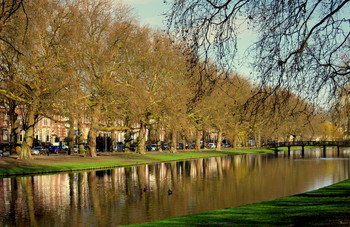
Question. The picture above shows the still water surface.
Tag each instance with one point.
(140, 194)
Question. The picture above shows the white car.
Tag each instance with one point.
(35, 150)
(211, 145)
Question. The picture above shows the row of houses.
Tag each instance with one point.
(50, 131)
(55, 132)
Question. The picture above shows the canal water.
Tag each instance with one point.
(151, 192)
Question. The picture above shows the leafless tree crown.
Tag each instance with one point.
(301, 45)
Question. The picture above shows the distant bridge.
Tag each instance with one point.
(303, 144)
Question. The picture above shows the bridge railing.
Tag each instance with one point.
(306, 143)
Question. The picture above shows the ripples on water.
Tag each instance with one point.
(140, 194)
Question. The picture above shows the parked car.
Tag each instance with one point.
(66, 147)
(151, 147)
(119, 147)
(154, 147)
(36, 150)
(226, 145)
(44, 150)
(211, 145)
(57, 150)
(192, 145)
(165, 146)
(179, 146)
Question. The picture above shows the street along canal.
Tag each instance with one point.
(152, 192)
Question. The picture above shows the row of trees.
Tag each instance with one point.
(90, 60)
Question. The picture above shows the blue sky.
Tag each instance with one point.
(149, 12)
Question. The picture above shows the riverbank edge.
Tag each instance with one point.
(328, 206)
(12, 166)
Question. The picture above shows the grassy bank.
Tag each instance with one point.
(64, 163)
(329, 206)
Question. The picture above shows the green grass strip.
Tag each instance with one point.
(329, 206)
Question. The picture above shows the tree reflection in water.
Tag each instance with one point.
(140, 194)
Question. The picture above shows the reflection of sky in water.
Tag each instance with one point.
(139, 194)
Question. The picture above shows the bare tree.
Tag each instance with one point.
(299, 43)
(8, 8)
(36, 72)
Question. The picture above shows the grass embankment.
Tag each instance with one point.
(63, 163)
(329, 206)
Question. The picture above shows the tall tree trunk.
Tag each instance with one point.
(91, 151)
(141, 149)
(205, 139)
(198, 140)
(258, 139)
(173, 141)
(127, 134)
(127, 140)
(234, 140)
(218, 143)
(184, 142)
(80, 141)
(29, 132)
(71, 137)
(158, 134)
(113, 140)
(15, 147)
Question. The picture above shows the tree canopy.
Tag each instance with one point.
(300, 45)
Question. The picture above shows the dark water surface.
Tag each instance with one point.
(140, 194)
